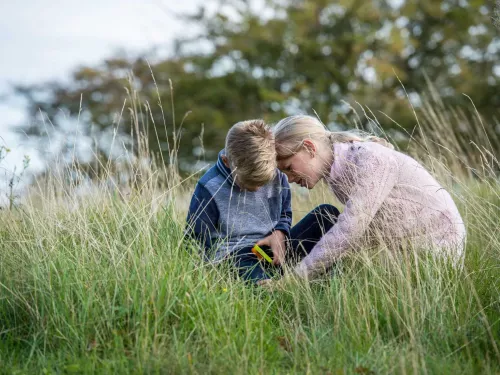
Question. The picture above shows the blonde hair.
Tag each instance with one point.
(291, 132)
(251, 152)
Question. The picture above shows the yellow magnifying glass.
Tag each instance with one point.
(261, 254)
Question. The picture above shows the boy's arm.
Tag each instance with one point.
(285, 221)
(202, 217)
(276, 240)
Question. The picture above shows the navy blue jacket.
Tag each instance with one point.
(225, 218)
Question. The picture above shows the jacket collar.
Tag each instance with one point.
(221, 167)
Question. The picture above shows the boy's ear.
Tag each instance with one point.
(310, 147)
(225, 160)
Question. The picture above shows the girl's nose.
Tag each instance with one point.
(291, 177)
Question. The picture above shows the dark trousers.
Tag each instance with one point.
(303, 236)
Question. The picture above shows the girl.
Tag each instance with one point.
(389, 197)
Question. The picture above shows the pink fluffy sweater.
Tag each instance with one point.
(389, 199)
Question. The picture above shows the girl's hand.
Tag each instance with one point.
(276, 241)
(266, 283)
(271, 285)
(276, 285)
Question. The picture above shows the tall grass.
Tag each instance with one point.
(106, 283)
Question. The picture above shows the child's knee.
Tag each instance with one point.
(327, 210)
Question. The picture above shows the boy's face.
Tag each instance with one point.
(246, 187)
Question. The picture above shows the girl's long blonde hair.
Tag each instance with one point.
(290, 133)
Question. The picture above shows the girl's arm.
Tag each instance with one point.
(375, 174)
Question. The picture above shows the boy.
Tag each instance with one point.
(243, 200)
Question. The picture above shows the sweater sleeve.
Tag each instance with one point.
(203, 216)
(375, 175)
(285, 221)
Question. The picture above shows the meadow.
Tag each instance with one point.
(105, 282)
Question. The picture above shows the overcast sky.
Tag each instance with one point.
(46, 39)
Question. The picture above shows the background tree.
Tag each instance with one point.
(296, 56)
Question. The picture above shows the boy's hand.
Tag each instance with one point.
(276, 241)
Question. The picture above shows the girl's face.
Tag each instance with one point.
(304, 168)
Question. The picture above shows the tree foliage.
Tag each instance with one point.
(293, 56)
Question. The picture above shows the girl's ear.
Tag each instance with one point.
(310, 147)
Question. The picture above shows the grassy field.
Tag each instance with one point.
(110, 286)
(106, 283)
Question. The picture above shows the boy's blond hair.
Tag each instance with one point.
(251, 153)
